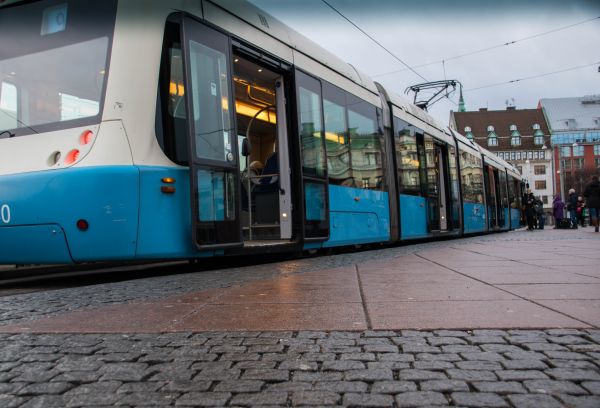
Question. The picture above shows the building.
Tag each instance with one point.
(575, 137)
(519, 136)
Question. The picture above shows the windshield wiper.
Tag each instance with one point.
(10, 134)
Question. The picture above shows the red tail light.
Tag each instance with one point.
(83, 225)
(86, 137)
(71, 157)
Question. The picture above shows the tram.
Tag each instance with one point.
(145, 129)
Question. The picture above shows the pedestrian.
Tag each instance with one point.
(539, 213)
(529, 203)
(572, 207)
(581, 211)
(558, 210)
(592, 200)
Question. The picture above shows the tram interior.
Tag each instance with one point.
(256, 115)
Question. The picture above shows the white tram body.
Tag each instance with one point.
(289, 148)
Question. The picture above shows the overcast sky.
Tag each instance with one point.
(420, 32)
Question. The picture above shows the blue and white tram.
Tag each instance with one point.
(195, 129)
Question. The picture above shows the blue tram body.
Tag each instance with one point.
(221, 136)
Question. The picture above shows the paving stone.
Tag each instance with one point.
(339, 365)
(258, 365)
(78, 377)
(367, 400)
(414, 348)
(266, 375)
(459, 348)
(432, 365)
(572, 374)
(137, 387)
(520, 375)
(358, 356)
(148, 399)
(553, 387)
(368, 375)
(525, 355)
(482, 340)
(186, 386)
(545, 347)
(566, 355)
(10, 401)
(592, 386)
(580, 402)
(451, 333)
(439, 357)
(534, 401)
(471, 375)
(318, 398)
(203, 399)
(380, 348)
(238, 386)
(501, 348)
(392, 387)
(400, 357)
(444, 341)
(300, 365)
(307, 376)
(479, 365)
(444, 385)
(220, 374)
(499, 387)
(45, 388)
(481, 399)
(483, 356)
(262, 398)
(524, 364)
(45, 401)
(420, 399)
(567, 340)
(342, 386)
(387, 365)
(577, 364)
(421, 375)
(124, 372)
(292, 386)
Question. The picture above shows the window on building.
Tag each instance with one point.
(539, 169)
(515, 136)
(492, 140)
(545, 199)
(592, 136)
(597, 150)
(530, 155)
(515, 156)
(566, 164)
(578, 163)
(540, 184)
(578, 150)
(565, 151)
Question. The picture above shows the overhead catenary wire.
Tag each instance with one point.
(532, 77)
(493, 47)
(375, 41)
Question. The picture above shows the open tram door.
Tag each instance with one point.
(437, 185)
(213, 158)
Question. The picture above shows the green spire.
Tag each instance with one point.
(461, 102)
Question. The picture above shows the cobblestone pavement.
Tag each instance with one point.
(388, 368)
(479, 368)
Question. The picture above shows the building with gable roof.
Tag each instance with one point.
(519, 136)
(575, 137)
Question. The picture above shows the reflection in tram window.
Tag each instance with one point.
(407, 158)
(471, 173)
(336, 136)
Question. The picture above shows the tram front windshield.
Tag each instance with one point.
(53, 64)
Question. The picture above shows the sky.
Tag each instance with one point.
(425, 31)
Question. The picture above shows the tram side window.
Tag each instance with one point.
(171, 130)
(512, 192)
(503, 190)
(407, 158)
(365, 144)
(336, 136)
(471, 172)
(432, 166)
(454, 188)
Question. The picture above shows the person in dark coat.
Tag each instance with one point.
(529, 204)
(558, 210)
(592, 200)
(572, 207)
(539, 213)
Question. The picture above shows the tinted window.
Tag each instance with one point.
(407, 158)
(471, 174)
(336, 136)
(310, 125)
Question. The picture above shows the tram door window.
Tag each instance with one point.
(454, 211)
(314, 165)
(407, 158)
(503, 197)
(339, 166)
(491, 187)
(260, 116)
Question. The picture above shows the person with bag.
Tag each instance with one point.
(572, 207)
(558, 210)
(592, 200)
(538, 205)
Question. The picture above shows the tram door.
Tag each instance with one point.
(213, 158)
(492, 196)
(263, 145)
(436, 185)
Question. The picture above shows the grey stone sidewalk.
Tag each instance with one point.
(480, 368)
